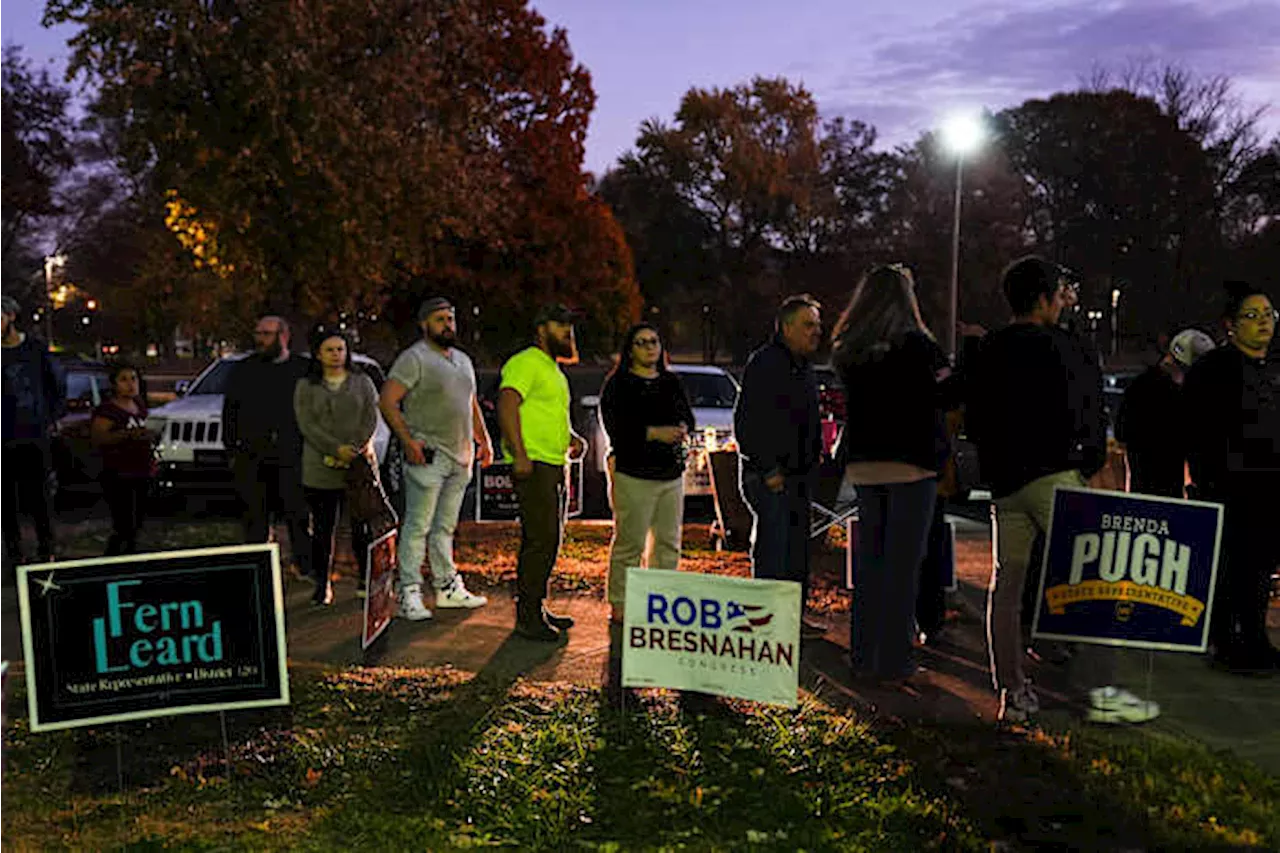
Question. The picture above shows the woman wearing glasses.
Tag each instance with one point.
(647, 416)
(1232, 396)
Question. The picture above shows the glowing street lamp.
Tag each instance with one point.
(1115, 322)
(962, 134)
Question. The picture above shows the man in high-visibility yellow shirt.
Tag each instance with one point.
(533, 412)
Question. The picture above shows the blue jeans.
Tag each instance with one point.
(893, 533)
(432, 500)
(780, 532)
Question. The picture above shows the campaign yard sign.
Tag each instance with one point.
(496, 492)
(1128, 570)
(722, 635)
(152, 635)
(379, 588)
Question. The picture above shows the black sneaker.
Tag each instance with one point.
(538, 630)
(560, 623)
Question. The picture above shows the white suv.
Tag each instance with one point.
(712, 394)
(192, 456)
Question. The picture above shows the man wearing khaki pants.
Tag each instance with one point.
(1035, 411)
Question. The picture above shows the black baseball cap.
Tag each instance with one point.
(555, 313)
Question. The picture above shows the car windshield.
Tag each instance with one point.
(86, 385)
(215, 381)
(709, 390)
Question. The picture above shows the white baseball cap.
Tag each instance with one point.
(1189, 345)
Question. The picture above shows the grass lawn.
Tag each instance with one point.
(412, 759)
(398, 759)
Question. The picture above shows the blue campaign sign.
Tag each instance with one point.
(1128, 570)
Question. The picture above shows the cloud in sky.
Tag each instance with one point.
(999, 55)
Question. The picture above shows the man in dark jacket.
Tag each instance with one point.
(261, 432)
(34, 394)
(778, 430)
(1151, 421)
(1036, 415)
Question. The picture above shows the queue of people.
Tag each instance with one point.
(1204, 422)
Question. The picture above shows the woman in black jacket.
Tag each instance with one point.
(647, 416)
(1232, 400)
(891, 367)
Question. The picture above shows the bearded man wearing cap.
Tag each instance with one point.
(429, 401)
(1150, 423)
(533, 410)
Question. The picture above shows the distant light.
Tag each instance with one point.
(153, 351)
(475, 310)
(84, 320)
(1115, 297)
(963, 133)
(92, 305)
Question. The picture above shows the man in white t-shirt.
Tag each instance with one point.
(429, 401)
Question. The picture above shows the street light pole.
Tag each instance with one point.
(953, 318)
(1115, 323)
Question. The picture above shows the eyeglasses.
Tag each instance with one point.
(1253, 315)
(646, 342)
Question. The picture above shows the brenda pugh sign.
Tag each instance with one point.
(727, 636)
(151, 635)
(1128, 570)
(380, 589)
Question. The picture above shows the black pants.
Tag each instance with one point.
(326, 508)
(26, 467)
(267, 485)
(893, 532)
(1156, 475)
(543, 501)
(127, 500)
(935, 574)
(1249, 555)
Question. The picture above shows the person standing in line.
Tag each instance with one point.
(1151, 419)
(34, 394)
(118, 430)
(1036, 415)
(533, 411)
(260, 431)
(647, 416)
(429, 401)
(885, 353)
(779, 432)
(336, 407)
(1232, 400)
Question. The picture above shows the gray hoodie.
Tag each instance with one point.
(329, 418)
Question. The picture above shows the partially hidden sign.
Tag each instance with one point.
(152, 635)
(496, 492)
(1128, 570)
(379, 588)
(722, 635)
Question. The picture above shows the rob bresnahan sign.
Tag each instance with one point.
(1128, 570)
(727, 636)
(151, 635)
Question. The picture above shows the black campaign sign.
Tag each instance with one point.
(178, 632)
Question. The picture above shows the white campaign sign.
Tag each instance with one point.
(722, 635)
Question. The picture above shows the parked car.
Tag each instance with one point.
(193, 459)
(75, 464)
(712, 395)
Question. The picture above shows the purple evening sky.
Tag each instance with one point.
(898, 64)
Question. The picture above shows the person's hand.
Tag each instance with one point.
(415, 451)
(577, 447)
(668, 434)
(776, 482)
(972, 330)
(523, 466)
(484, 454)
(346, 452)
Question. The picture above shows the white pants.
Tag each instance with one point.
(647, 515)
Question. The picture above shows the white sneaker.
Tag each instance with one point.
(411, 606)
(1113, 705)
(456, 595)
(1019, 704)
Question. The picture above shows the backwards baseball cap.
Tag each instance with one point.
(432, 305)
(9, 305)
(556, 313)
(1188, 345)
